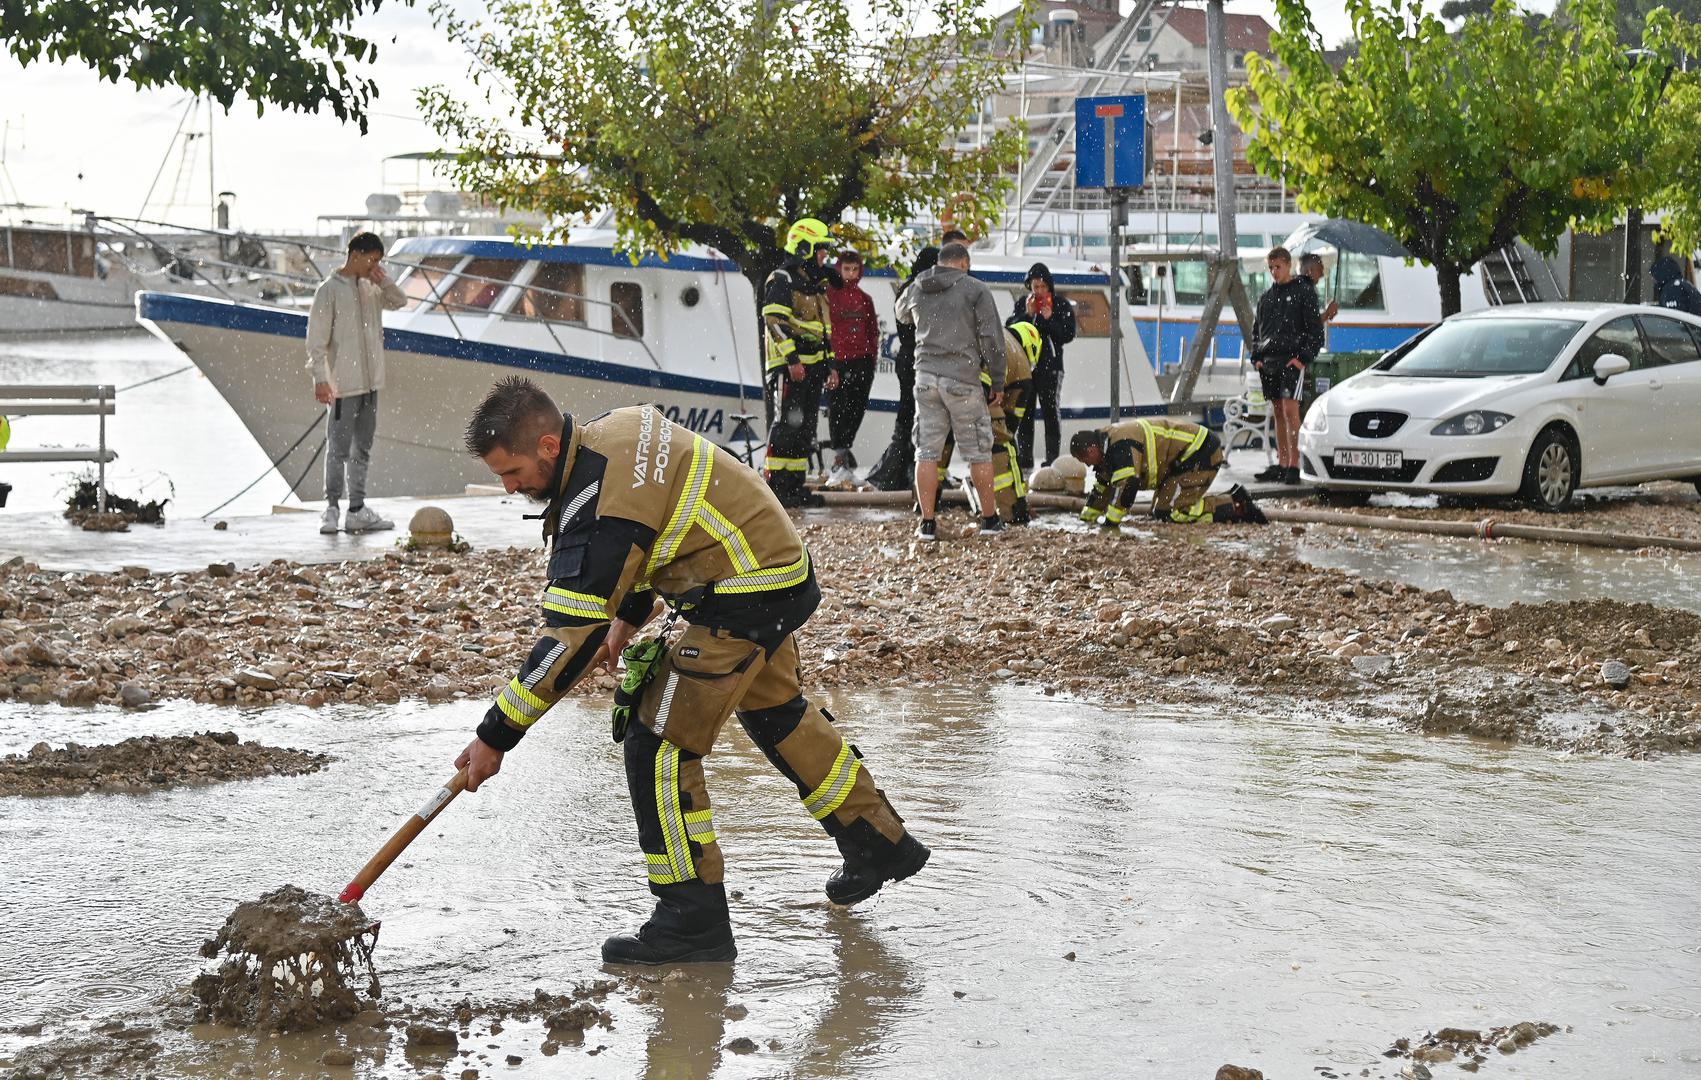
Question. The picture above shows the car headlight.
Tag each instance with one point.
(1317, 420)
(1475, 422)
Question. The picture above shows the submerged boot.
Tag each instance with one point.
(689, 926)
(870, 861)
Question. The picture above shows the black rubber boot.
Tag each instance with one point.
(1273, 473)
(871, 861)
(1245, 509)
(689, 926)
(1020, 514)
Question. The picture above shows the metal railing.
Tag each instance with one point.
(64, 401)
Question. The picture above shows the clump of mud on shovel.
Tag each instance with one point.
(292, 960)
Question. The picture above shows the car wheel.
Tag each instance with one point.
(1550, 473)
(1345, 499)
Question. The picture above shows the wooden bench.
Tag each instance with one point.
(63, 401)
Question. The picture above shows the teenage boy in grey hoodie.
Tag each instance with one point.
(957, 334)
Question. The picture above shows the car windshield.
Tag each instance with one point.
(1474, 348)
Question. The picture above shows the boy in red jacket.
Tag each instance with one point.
(856, 341)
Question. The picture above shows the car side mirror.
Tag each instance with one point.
(1608, 365)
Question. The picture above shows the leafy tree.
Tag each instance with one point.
(719, 123)
(1632, 15)
(252, 47)
(1456, 144)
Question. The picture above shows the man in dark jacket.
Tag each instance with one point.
(1286, 336)
(895, 470)
(1670, 288)
(1055, 317)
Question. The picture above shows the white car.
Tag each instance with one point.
(1532, 399)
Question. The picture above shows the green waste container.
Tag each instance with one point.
(1331, 368)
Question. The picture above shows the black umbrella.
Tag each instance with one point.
(1343, 235)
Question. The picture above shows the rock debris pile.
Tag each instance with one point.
(149, 763)
(1166, 614)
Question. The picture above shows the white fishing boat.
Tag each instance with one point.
(597, 331)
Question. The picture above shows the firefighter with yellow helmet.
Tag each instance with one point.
(638, 509)
(1176, 460)
(797, 339)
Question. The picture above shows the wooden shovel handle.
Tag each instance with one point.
(398, 843)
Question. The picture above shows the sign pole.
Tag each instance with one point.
(1118, 218)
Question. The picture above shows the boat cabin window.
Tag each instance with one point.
(1357, 282)
(1092, 312)
(45, 251)
(480, 283)
(424, 283)
(628, 298)
(543, 299)
(1190, 281)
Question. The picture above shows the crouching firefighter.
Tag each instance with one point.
(797, 338)
(1173, 458)
(1009, 487)
(639, 508)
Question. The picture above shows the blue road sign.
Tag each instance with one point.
(1110, 141)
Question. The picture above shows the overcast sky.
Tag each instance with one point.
(71, 140)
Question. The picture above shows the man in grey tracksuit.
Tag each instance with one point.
(345, 356)
(957, 336)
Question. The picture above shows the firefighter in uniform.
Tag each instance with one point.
(1022, 344)
(1173, 458)
(639, 508)
(797, 337)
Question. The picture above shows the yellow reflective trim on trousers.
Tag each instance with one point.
(664, 875)
(1019, 482)
(770, 580)
(730, 536)
(836, 788)
(684, 512)
(672, 820)
(568, 602)
(797, 464)
(700, 826)
(1115, 513)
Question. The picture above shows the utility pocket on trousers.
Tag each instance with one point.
(701, 681)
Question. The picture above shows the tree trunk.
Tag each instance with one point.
(1447, 276)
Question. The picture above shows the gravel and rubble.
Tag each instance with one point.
(1160, 614)
(149, 763)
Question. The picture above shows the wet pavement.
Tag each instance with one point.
(1113, 891)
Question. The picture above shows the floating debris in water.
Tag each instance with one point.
(293, 959)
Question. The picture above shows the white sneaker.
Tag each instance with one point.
(366, 519)
(328, 520)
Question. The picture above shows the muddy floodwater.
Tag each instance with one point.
(1498, 573)
(1113, 891)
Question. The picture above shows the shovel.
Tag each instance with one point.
(404, 836)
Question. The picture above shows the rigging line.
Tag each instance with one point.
(309, 466)
(166, 157)
(156, 378)
(275, 463)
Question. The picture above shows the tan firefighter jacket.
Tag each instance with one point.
(1139, 453)
(644, 508)
(798, 328)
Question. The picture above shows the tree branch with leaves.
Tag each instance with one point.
(295, 54)
(720, 123)
(1457, 144)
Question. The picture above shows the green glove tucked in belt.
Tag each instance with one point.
(643, 658)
